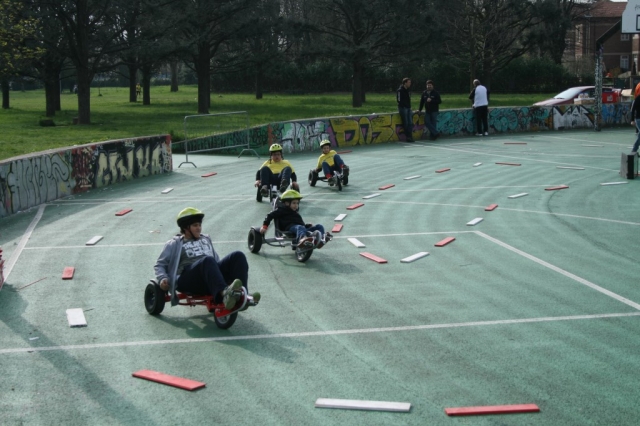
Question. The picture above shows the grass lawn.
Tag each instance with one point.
(113, 117)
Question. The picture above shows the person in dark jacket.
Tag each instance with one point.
(289, 220)
(635, 120)
(404, 108)
(430, 100)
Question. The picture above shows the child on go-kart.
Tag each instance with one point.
(289, 220)
(189, 264)
(330, 162)
(276, 171)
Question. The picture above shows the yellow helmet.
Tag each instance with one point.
(291, 194)
(188, 217)
(324, 142)
(275, 147)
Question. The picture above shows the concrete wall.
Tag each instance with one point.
(343, 132)
(30, 180)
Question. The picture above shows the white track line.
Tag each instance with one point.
(561, 271)
(316, 333)
(23, 242)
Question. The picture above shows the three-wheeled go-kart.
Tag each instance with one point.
(341, 178)
(155, 299)
(284, 239)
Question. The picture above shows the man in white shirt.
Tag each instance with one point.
(480, 98)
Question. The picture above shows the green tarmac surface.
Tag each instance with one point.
(537, 304)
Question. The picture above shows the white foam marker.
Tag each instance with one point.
(518, 195)
(76, 318)
(613, 183)
(475, 221)
(340, 217)
(166, 191)
(477, 164)
(572, 168)
(412, 177)
(94, 240)
(354, 404)
(356, 242)
(370, 196)
(415, 257)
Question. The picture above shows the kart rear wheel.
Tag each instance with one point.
(345, 180)
(313, 177)
(153, 299)
(259, 195)
(254, 240)
(339, 183)
(225, 322)
(303, 255)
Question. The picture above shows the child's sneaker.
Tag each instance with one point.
(306, 242)
(327, 237)
(331, 180)
(317, 238)
(284, 185)
(264, 191)
(228, 297)
(254, 302)
(345, 170)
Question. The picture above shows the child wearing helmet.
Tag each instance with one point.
(330, 162)
(289, 220)
(276, 171)
(189, 264)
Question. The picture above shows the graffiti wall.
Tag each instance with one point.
(31, 180)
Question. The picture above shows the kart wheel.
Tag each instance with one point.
(225, 322)
(339, 183)
(254, 240)
(303, 255)
(153, 299)
(345, 180)
(313, 177)
(259, 195)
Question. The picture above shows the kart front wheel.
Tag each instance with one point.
(303, 255)
(254, 240)
(153, 298)
(313, 177)
(225, 322)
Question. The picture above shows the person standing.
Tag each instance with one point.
(635, 120)
(430, 99)
(480, 98)
(404, 108)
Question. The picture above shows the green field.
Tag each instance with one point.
(114, 117)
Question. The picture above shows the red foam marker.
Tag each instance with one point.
(123, 212)
(493, 409)
(373, 257)
(382, 188)
(210, 174)
(166, 379)
(515, 143)
(67, 274)
(445, 241)
(343, 152)
(355, 206)
(555, 188)
(490, 207)
(442, 170)
(337, 227)
(509, 164)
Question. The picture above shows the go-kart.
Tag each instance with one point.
(284, 239)
(340, 178)
(273, 194)
(155, 298)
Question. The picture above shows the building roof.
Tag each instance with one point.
(607, 9)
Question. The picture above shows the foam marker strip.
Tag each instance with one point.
(477, 164)
(370, 196)
(490, 207)
(572, 168)
(166, 379)
(445, 242)
(492, 409)
(76, 318)
(123, 212)
(209, 174)
(94, 240)
(382, 188)
(518, 195)
(613, 183)
(343, 152)
(412, 177)
(340, 217)
(515, 143)
(351, 404)
(442, 170)
(509, 164)
(598, 146)
(475, 221)
(415, 257)
(337, 228)
(356, 242)
(373, 257)
(67, 274)
(355, 206)
(555, 188)
(166, 191)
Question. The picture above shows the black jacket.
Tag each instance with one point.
(285, 216)
(435, 101)
(403, 97)
(635, 108)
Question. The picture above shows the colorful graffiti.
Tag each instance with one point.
(40, 178)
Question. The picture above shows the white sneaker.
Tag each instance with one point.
(486, 133)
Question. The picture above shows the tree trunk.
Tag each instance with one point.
(258, 81)
(146, 85)
(51, 88)
(5, 93)
(133, 79)
(174, 76)
(203, 72)
(356, 94)
(56, 97)
(84, 95)
(81, 60)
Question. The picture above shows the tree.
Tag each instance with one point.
(554, 17)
